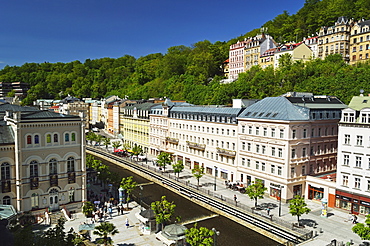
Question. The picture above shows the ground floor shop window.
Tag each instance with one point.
(274, 192)
(343, 204)
(364, 210)
(223, 175)
(209, 170)
(315, 193)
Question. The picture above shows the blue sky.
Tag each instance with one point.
(69, 30)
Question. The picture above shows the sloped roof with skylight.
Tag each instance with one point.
(276, 108)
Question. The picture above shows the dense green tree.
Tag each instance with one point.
(198, 173)
(164, 159)
(363, 229)
(128, 184)
(178, 167)
(201, 236)
(298, 207)
(163, 210)
(256, 191)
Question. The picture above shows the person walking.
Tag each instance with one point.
(236, 200)
(119, 209)
(127, 223)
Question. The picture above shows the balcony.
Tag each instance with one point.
(53, 180)
(5, 186)
(196, 146)
(225, 152)
(71, 178)
(172, 140)
(34, 183)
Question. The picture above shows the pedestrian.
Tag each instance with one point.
(127, 224)
(235, 198)
(268, 211)
(354, 219)
(119, 209)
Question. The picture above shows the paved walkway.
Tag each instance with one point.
(130, 236)
(335, 226)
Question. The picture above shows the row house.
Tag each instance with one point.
(236, 59)
(135, 124)
(335, 39)
(297, 51)
(281, 140)
(255, 47)
(360, 42)
(312, 42)
(203, 136)
(42, 159)
(353, 176)
(267, 58)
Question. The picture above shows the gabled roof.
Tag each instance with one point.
(359, 102)
(276, 108)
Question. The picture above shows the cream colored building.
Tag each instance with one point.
(298, 52)
(360, 42)
(42, 160)
(335, 39)
(135, 124)
(283, 139)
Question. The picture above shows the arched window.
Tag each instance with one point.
(70, 164)
(66, 137)
(7, 200)
(37, 139)
(34, 169)
(53, 166)
(5, 171)
(71, 194)
(29, 139)
(55, 138)
(35, 200)
(73, 136)
(48, 138)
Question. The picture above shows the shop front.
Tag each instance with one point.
(354, 203)
(275, 190)
(187, 162)
(315, 193)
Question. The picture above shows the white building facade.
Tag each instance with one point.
(353, 177)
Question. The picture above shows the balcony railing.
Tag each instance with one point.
(34, 183)
(53, 180)
(5, 186)
(196, 145)
(71, 177)
(172, 140)
(225, 152)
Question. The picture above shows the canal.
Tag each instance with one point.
(231, 233)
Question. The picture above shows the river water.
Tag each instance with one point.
(231, 233)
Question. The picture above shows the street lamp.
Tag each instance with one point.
(281, 187)
(215, 176)
(215, 235)
(141, 189)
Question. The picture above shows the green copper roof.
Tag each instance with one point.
(359, 102)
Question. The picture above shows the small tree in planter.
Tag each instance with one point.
(88, 208)
(128, 184)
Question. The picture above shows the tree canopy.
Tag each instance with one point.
(193, 73)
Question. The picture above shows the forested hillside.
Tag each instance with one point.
(193, 73)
